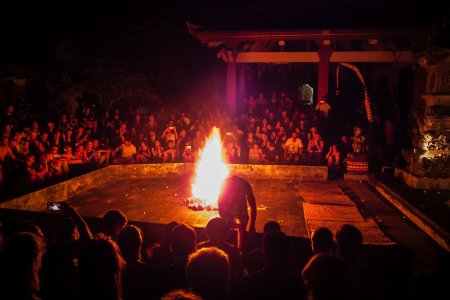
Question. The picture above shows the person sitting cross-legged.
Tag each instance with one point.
(127, 153)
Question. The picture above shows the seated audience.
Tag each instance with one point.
(183, 242)
(217, 230)
(278, 279)
(208, 273)
(181, 295)
(127, 153)
(113, 222)
(161, 254)
(139, 280)
(349, 246)
(99, 270)
(59, 268)
(20, 263)
(328, 277)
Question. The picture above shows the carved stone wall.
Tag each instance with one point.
(430, 122)
(438, 79)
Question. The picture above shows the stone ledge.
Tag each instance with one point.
(420, 182)
(436, 232)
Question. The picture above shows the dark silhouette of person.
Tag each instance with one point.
(139, 280)
(59, 270)
(113, 222)
(271, 226)
(217, 231)
(11, 227)
(183, 243)
(349, 246)
(329, 277)
(322, 241)
(20, 262)
(208, 273)
(99, 270)
(235, 195)
(254, 260)
(161, 255)
(435, 284)
(181, 295)
(278, 279)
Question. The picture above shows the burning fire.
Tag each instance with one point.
(211, 171)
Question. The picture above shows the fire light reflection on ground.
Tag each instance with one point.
(161, 200)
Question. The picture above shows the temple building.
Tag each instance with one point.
(286, 44)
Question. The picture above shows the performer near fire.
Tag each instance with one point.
(235, 195)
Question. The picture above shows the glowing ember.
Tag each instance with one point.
(211, 171)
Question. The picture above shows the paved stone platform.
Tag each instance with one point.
(160, 200)
(326, 205)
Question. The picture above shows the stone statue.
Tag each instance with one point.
(356, 161)
(358, 141)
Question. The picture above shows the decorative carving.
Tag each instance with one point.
(438, 79)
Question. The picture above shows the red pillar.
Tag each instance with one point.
(231, 80)
(324, 60)
(240, 83)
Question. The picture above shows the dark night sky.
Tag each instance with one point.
(29, 29)
(72, 34)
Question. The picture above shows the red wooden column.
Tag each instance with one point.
(231, 80)
(240, 83)
(324, 61)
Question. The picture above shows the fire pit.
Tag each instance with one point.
(210, 172)
(197, 204)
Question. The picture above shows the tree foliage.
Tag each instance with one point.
(112, 85)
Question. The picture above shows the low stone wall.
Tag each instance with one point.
(420, 182)
(304, 173)
(37, 201)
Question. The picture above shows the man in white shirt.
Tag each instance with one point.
(293, 149)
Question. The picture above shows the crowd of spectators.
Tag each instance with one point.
(72, 263)
(262, 130)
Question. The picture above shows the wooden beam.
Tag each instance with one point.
(371, 56)
(288, 35)
(277, 57)
(313, 57)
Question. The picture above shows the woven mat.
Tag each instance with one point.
(369, 229)
(328, 199)
(331, 212)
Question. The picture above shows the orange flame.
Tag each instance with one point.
(211, 171)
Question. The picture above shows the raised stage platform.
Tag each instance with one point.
(299, 198)
(155, 193)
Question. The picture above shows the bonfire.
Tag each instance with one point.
(210, 172)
